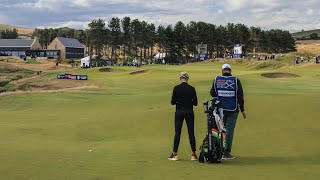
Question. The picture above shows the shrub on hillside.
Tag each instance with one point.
(3, 83)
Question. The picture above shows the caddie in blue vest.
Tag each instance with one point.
(228, 90)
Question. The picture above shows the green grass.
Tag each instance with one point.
(32, 61)
(128, 123)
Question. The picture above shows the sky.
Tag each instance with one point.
(292, 15)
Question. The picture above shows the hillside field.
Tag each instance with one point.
(24, 33)
(305, 34)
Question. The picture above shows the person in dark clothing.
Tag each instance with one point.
(184, 97)
(228, 90)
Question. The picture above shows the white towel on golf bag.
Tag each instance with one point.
(219, 120)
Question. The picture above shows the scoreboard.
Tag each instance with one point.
(239, 51)
(202, 52)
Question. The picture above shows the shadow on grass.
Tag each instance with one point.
(256, 161)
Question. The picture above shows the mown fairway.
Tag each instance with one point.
(128, 125)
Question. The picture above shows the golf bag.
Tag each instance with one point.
(214, 143)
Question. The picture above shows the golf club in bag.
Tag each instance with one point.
(214, 143)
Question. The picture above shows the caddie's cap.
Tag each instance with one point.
(226, 66)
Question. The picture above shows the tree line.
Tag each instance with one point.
(127, 39)
(9, 34)
(314, 36)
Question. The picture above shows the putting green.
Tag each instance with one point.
(128, 126)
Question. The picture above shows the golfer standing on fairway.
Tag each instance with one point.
(228, 90)
(184, 97)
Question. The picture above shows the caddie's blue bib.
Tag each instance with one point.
(226, 88)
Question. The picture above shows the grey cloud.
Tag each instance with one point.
(283, 14)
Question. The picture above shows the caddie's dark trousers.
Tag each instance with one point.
(229, 120)
(180, 115)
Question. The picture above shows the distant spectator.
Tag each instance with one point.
(302, 59)
(297, 60)
(317, 59)
(308, 58)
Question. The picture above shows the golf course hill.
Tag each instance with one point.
(306, 34)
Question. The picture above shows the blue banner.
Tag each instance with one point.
(72, 77)
(202, 56)
(237, 56)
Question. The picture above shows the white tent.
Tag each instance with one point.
(160, 56)
(85, 62)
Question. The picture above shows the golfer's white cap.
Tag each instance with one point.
(226, 66)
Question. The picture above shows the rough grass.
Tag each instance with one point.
(8, 68)
(311, 50)
(16, 74)
(27, 86)
(10, 73)
(260, 65)
(11, 59)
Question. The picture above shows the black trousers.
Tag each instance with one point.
(180, 116)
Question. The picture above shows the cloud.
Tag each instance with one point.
(3, 19)
(310, 11)
(285, 14)
(236, 5)
(72, 24)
